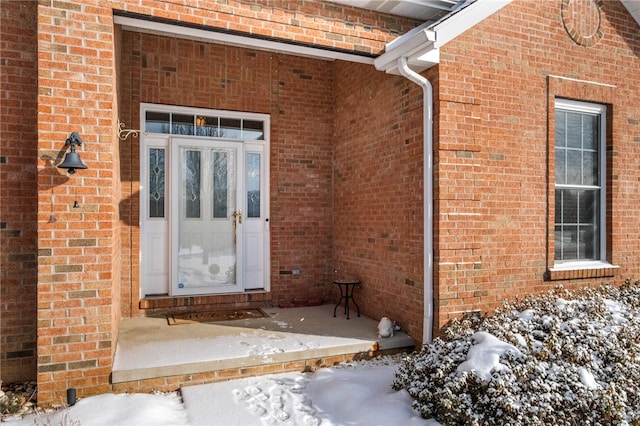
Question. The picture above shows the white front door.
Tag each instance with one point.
(208, 180)
(204, 225)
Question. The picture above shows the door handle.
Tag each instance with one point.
(237, 218)
(238, 215)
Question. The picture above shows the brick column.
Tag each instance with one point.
(78, 309)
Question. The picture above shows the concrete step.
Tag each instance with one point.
(154, 356)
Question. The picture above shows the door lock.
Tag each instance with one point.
(238, 215)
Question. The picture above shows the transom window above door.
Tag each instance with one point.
(203, 125)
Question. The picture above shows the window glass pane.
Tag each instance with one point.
(574, 130)
(558, 219)
(157, 122)
(220, 185)
(590, 168)
(557, 238)
(182, 124)
(207, 126)
(192, 184)
(561, 124)
(252, 130)
(561, 166)
(587, 247)
(590, 132)
(588, 206)
(253, 185)
(569, 241)
(569, 206)
(574, 167)
(230, 128)
(156, 182)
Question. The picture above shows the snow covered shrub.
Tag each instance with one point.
(558, 359)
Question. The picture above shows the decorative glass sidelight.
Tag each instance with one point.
(156, 182)
(253, 184)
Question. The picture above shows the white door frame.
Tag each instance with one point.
(156, 268)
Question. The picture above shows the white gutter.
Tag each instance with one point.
(427, 159)
(409, 55)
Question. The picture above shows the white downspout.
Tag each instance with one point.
(427, 157)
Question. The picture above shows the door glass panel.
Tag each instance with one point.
(220, 184)
(192, 184)
(253, 185)
(156, 182)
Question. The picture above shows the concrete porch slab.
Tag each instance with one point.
(149, 348)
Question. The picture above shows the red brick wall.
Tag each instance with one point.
(18, 205)
(494, 205)
(378, 187)
(85, 255)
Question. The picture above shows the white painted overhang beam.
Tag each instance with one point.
(212, 35)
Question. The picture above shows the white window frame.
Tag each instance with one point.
(601, 111)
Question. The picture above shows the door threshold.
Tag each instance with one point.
(161, 304)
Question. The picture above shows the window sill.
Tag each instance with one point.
(580, 270)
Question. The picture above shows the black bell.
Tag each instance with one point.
(72, 160)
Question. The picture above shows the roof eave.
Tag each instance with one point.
(421, 47)
(417, 47)
(633, 7)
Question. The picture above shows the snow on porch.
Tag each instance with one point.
(153, 355)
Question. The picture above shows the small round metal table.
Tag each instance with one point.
(346, 293)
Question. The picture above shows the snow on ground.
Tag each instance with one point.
(354, 394)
